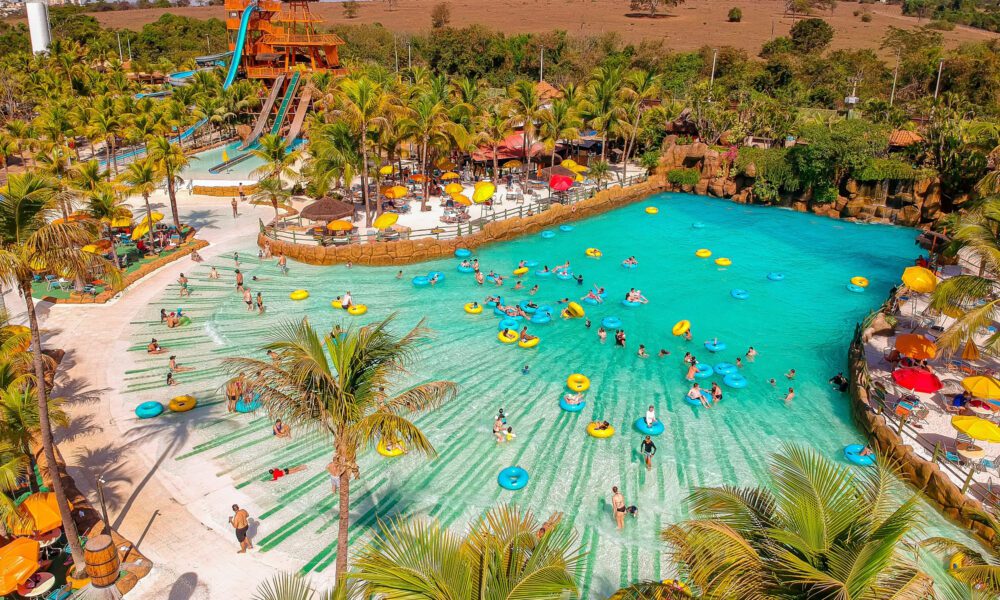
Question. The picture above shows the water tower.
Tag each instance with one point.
(38, 25)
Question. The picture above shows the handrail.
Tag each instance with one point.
(447, 231)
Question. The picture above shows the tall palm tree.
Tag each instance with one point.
(8, 148)
(289, 586)
(978, 568)
(600, 171)
(363, 104)
(278, 157)
(104, 126)
(493, 127)
(29, 237)
(427, 124)
(820, 530)
(602, 106)
(19, 419)
(271, 191)
(140, 177)
(107, 207)
(55, 163)
(339, 385)
(526, 105)
(334, 157)
(170, 161)
(23, 134)
(640, 87)
(501, 556)
(85, 177)
(560, 122)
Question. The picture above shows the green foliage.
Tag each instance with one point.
(350, 9)
(649, 160)
(831, 152)
(735, 14)
(684, 176)
(440, 15)
(769, 164)
(180, 38)
(776, 46)
(880, 169)
(13, 38)
(811, 35)
(983, 14)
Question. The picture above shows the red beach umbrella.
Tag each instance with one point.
(560, 183)
(918, 380)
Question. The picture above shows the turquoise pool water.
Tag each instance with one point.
(203, 161)
(803, 322)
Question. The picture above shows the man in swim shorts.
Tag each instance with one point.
(277, 474)
(241, 522)
(789, 396)
(648, 449)
(248, 298)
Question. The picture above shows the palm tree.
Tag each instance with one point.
(501, 556)
(8, 148)
(600, 171)
(22, 133)
(978, 568)
(104, 125)
(493, 127)
(820, 530)
(334, 157)
(56, 165)
(277, 155)
(339, 386)
(288, 586)
(650, 590)
(602, 107)
(170, 161)
(19, 419)
(640, 87)
(560, 122)
(427, 123)
(363, 104)
(85, 177)
(526, 106)
(271, 191)
(140, 177)
(28, 237)
(107, 207)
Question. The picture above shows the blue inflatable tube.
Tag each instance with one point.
(566, 228)
(464, 268)
(631, 304)
(735, 380)
(547, 234)
(703, 371)
(695, 402)
(656, 429)
(629, 265)
(463, 252)
(242, 406)
(724, 368)
(566, 406)
(715, 346)
(698, 225)
(523, 305)
(857, 289)
(611, 322)
(531, 264)
(539, 273)
(853, 455)
(774, 276)
(512, 478)
(545, 308)
(541, 318)
(564, 275)
(589, 301)
(507, 323)
(739, 294)
(439, 274)
(421, 281)
(148, 410)
(494, 304)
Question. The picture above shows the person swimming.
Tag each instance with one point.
(602, 334)
(519, 285)
(533, 290)
(574, 399)
(642, 352)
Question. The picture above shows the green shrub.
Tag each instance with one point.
(941, 25)
(866, 17)
(735, 15)
(684, 176)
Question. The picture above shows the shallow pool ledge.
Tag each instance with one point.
(411, 251)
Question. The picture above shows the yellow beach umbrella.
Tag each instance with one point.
(140, 230)
(461, 199)
(976, 428)
(919, 279)
(120, 221)
(453, 188)
(483, 192)
(579, 169)
(449, 175)
(225, 156)
(569, 163)
(387, 170)
(395, 192)
(385, 220)
(73, 218)
(579, 178)
(340, 225)
(970, 352)
(982, 386)
(512, 164)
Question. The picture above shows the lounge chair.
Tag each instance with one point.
(62, 593)
(51, 281)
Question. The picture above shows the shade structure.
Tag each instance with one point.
(976, 428)
(340, 225)
(569, 163)
(916, 346)
(122, 221)
(42, 511)
(461, 199)
(385, 220)
(444, 163)
(917, 380)
(512, 164)
(560, 183)
(453, 188)
(18, 562)
(449, 175)
(145, 224)
(395, 192)
(483, 192)
(919, 279)
(982, 386)
(387, 170)
(98, 247)
(970, 352)
(418, 178)
(327, 209)
(73, 218)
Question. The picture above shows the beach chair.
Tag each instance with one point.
(90, 289)
(963, 438)
(51, 281)
(66, 591)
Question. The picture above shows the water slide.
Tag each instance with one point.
(300, 116)
(293, 86)
(265, 113)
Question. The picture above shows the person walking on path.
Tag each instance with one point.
(241, 522)
(618, 505)
(239, 281)
(235, 206)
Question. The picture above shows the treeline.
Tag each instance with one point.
(983, 14)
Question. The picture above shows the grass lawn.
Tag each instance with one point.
(40, 289)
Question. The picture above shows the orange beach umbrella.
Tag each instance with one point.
(395, 192)
(340, 225)
(41, 511)
(449, 175)
(18, 562)
(916, 346)
(461, 199)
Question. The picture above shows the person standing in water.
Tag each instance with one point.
(618, 506)
(648, 450)
(241, 523)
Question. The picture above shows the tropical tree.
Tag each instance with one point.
(334, 157)
(29, 236)
(8, 148)
(19, 417)
(170, 162)
(426, 123)
(503, 555)
(278, 157)
(560, 122)
(493, 127)
(600, 171)
(526, 107)
(289, 586)
(980, 570)
(109, 209)
(140, 177)
(641, 86)
(820, 530)
(602, 106)
(271, 191)
(363, 104)
(340, 386)
(104, 126)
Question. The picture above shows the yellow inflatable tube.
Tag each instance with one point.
(182, 403)
(336, 304)
(723, 262)
(859, 281)
(520, 271)
(473, 309)
(573, 311)
(593, 253)
(603, 433)
(299, 295)
(529, 344)
(510, 338)
(681, 327)
(578, 382)
(357, 309)
(652, 210)
(703, 253)
(383, 449)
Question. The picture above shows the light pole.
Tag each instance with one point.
(895, 76)
(711, 81)
(104, 507)
(937, 84)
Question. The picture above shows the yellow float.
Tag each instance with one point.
(336, 304)
(603, 433)
(859, 281)
(652, 210)
(357, 309)
(681, 327)
(182, 403)
(510, 338)
(520, 271)
(593, 253)
(572, 311)
(578, 382)
(473, 309)
(956, 562)
(723, 262)
(383, 449)
(299, 295)
(529, 343)
(703, 253)
(678, 585)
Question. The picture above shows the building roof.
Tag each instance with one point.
(546, 91)
(902, 137)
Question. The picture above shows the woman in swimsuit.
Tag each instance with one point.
(602, 334)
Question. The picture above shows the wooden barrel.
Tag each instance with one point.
(101, 557)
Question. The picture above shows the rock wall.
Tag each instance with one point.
(411, 251)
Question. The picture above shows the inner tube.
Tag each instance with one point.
(299, 295)
(578, 382)
(421, 281)
(494, 304)
(629, 265)
(611, 322)
(564, 275)
(703, 371)
(336, 304)
(715, 346)
(242, 406)
(656, 429)
(574, 310)
(383, 449)
(859, 281)
(473, 309)
(528, 344)
(512, 478)
(695, 401)
(507, 323)
(510, 338)
(523, 305)
(540, 318)
(573, 408)
(724, 368)
(681, 327)
(531, 264)
(652, 210)
(463, 252)
(723, 262)
(735, 380)
(465, 268)
(593, 253)
(852, 453)
(603, 433)
(703, 253)
(357, 309)
(566, 228)
(548, 234)
(631, 304)
(148, 410)
(774, 276)
(739, 294)
(698, 225)
(185, 320)
(857, 289)
(540, 273)
(182, 403)
(520, 271)
(545, 308)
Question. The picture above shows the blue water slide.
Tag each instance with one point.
(241, 38)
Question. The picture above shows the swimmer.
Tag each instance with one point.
(526, 337)
(562, 267)
(277, 474)
(283, 263)
(563, 301)
(350, 264)
(248, 298)
(751, 354)
(475, 264)
(594, 295)
(509, 436)
(176, 367)
(526, 370)
(434, 279)
(692, 369)
(520, 264)
(533, 290)
(602, 334)
(790, 374)
(475, 305)
(695, 394)
(213, 274)
(519, 285)
(479, 277)
(545, 268)
(687, 336)
(273, 356)
(620, 338)
(716, 392)
(579, 279)
(739, 363)
(399, 274)
(347, 301)
(260, 303)
(663, 353)
(866, 451)
(772, 381)
(587, 323)
(642, 352)
(280, 430)
(600, 425)
(688, 358)
(789, 396)
(574, 399)
(154, 347)
(492, 299)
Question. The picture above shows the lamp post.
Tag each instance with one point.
(104, 506)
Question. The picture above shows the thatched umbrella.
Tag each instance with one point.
(328, 209)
